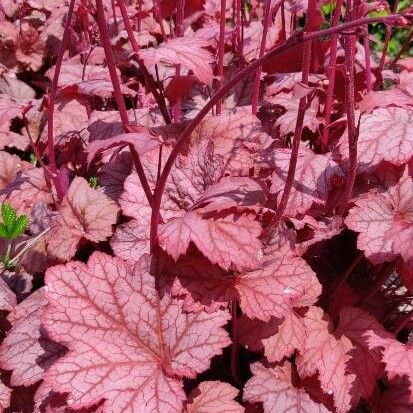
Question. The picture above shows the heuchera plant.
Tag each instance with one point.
(207, 206)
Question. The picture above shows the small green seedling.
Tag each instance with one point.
(33, 159)
(11, 227)
(94, 182)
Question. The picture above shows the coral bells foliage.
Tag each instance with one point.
(206, 206)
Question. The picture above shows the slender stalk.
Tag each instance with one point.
(237, 21)
(221, 44)
(46, 169)
(52, 101)
(294, 153)
(150, 83)
(115, 18)
(366, 41)
(387, 41)
(268, 233)
(352, 133)
(294, 40)
(179, 32)
(234, 345)
(139, 169)
(256, 89)
(331, 73)
(283, 26)
(140, 15)
(110, 61)
(158, 14)
(103, 30)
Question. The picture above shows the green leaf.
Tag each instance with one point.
(94, 182)
(8, 214)
(4, 233)
(20, 226)
(12, 225)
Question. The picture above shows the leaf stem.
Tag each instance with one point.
(52, 101)
(234, 345)
(352, 132)
(270, 230)
(256, 87)
(103, 30)
(150, 83)
(387, 41)
(221, 45)
(331, 74)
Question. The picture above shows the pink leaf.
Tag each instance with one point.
(223, 241)
(385, 135)
(10, 165)
(8, 109)
(406, 82)
(70, 117)
(231, 192)
(125, 344)
(279, 284)
(186, 51)
(214, 397)
(312, 181)
(28, 189)
(384, 99)
(397, 357)
(237, 138)
(283, 282)
(289, 337)
(142, 142)
(288, 120)
(273, 387)
(7, 297)
(84, 213)
(131, 240)
(27, 350)
(384, 221)
(364, 362)
(5, 393)
(329, 356)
